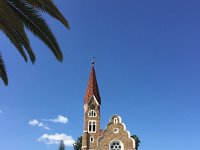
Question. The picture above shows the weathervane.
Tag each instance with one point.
(93, 60)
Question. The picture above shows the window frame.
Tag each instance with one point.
(92, 113)
(119, 143)
(91, 139)
(115, 120)
(92, 126)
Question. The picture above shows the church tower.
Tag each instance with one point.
(92, 103)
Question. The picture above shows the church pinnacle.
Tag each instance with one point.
(92, 88)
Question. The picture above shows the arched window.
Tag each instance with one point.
(91, 139)
(115, 120)
(92, 113)
(92, 126)
(116, 145)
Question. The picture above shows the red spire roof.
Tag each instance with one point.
(92, 88)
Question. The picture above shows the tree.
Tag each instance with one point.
(62, 145)
(137, 141)
(18, 15)
(78, 144)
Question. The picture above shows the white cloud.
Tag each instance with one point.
(59, 119)
(35, 122)
(56, 138)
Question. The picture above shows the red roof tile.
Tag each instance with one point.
(92, 88)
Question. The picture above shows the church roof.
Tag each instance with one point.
(92, 88)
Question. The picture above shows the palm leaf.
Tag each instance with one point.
(49, 7)
(3, 74)
(13, 39)
(16, 15)
(14, 29)
(137, 141)
(36, 24)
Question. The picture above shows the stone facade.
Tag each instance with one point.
(91, 115)
(115, 136)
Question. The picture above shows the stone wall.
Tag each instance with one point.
(116, 131)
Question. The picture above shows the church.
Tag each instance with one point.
(115, 136)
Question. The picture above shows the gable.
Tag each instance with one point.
(116, 132)
(93, 101)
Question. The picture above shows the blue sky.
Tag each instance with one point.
(147, 64)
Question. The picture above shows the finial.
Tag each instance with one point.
(93, 61)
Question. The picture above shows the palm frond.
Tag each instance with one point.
(49, 7)
(137, 141)
(13, 39)
(37, 25)
(3, 73)
(16, 15)
(14, 29)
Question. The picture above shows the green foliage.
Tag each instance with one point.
(16, 15)
(62, 145)
(78, 144)
(137, 141)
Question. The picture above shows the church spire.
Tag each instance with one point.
(92, 88)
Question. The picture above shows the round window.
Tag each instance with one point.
(116, 145)
(115, 130)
